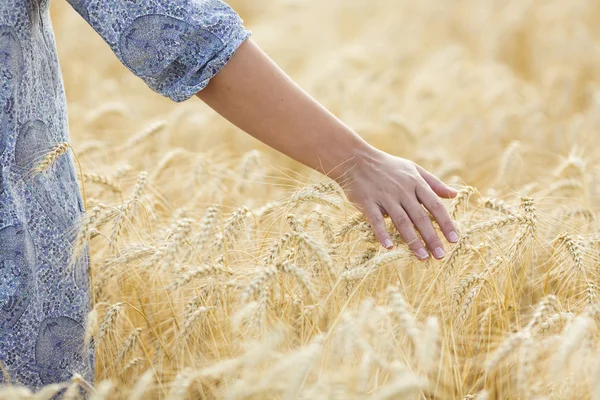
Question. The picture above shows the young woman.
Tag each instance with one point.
(180, 48)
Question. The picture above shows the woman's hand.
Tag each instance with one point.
(380, 184)
(252, 92)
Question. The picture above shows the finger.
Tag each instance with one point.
(439, 187)
(375, 218)
(406, 229)
(435, 206)
(423, 223)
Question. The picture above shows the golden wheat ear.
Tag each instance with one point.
(105, 181)
(50, 158)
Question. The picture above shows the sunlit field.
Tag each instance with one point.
(223, 270)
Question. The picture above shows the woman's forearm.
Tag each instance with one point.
(253, 93)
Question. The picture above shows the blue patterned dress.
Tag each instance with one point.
(176, 47)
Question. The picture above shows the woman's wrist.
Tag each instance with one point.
(350, 159)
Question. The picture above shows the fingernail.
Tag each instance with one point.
(439, 252)
(453, 236)
(422, 253)
(388, 244)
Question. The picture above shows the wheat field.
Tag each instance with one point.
(222, 269)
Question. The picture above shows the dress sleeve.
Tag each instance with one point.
(175, 46)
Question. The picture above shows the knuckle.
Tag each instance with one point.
(402, 221)
(381, 231)
(377, 220)
(413, 242)
(410, 180)
(433, 240)
(448, 225)
(437, 205)
(422, 218)
(415, 179)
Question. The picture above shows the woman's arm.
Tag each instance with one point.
(253, 93)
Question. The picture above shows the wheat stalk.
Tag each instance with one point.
(128, 207)
(147, 133)
(504, 350)
(129, 344)
(181, 231)
(352, 224)
(317, 194)
(105, 181)
(462, 198)
(497, 205)
(109, 319)
(83, 236)
(131, 364)
(318, 250)
(403, 313)
(258, 282)
(207, 225)
(574, 249)
(50, 158)
(231, 226)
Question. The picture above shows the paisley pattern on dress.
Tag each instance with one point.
(152, 44)
(11, 71)
(56, 186)
(176, 47)
(16, 269)
(59, 349)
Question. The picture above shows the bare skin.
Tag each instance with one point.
(253, 93)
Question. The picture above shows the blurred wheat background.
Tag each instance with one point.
(222, 269)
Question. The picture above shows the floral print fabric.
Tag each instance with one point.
(176, 47)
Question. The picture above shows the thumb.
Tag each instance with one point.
(439, 187)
